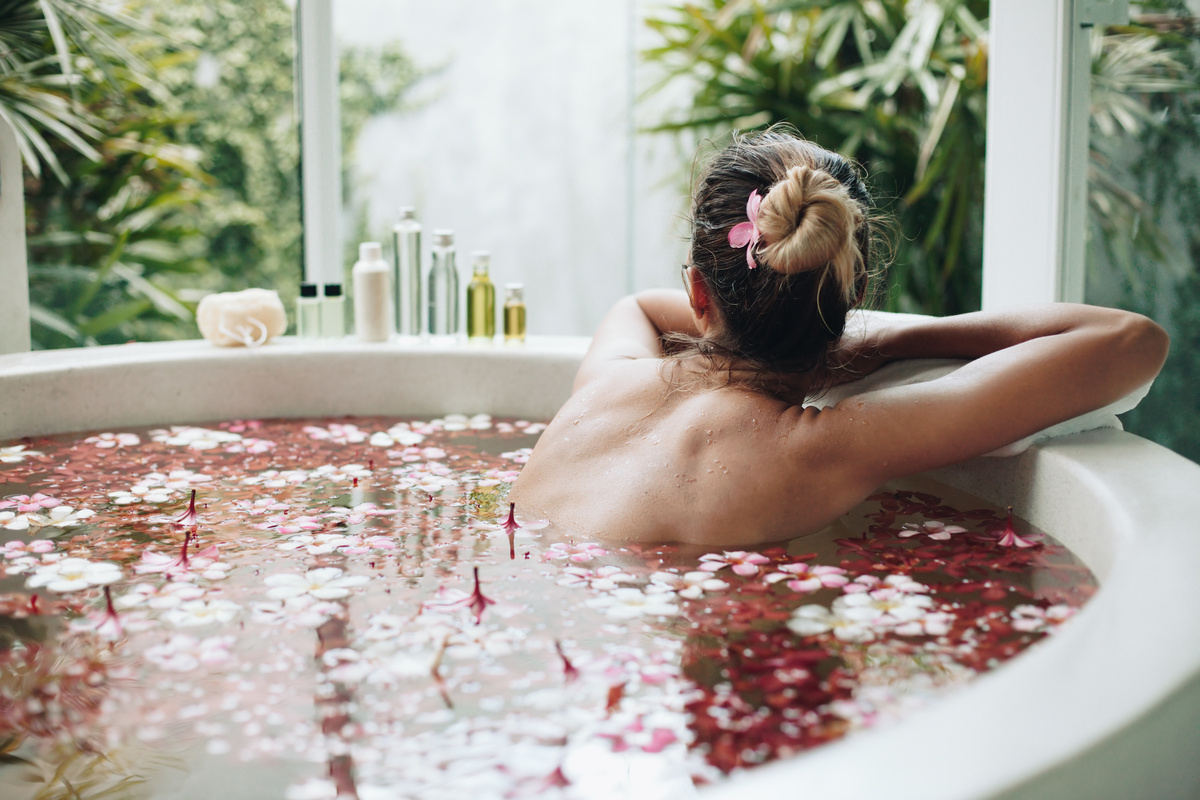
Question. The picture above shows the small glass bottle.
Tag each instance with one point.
(333, 312)
(308, 312)
(372, 294)
(481, 300)
(406, 272)
(514, 313)
(443, 285)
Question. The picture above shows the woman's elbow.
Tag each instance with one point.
(1145, 342)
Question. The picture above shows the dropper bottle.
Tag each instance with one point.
(481, 300)
(443, 285)
(514, 313)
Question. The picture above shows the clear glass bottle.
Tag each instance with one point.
(333, 312)
(406, 272)
(308, 312)
(442, 296)
(514, 313)
(481, 300)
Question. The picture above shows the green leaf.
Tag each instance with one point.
(115, 317)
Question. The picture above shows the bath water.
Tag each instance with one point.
(349, 607)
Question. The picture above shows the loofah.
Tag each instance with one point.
(241, 319)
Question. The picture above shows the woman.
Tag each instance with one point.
(687, 422)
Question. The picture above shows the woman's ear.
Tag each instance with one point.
(701, 300)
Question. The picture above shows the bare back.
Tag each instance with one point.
(627, 458)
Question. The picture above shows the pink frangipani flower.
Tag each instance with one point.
(477, 601)
(189, 518)
(180, 565)
(935, 530)
(26, 504)
(746, 234)
(802, 578)
(1009, 537)
(585, 551)
(743, 563)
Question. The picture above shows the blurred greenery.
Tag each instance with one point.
(1160, 165)
(160, 189)
(899, 86)
(103, 242)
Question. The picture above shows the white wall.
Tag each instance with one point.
(523, 145)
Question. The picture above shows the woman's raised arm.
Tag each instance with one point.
(1031, 368)
(633, 328)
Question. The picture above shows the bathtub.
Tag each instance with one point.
(1109, 707)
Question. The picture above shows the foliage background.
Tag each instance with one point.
(183, 159)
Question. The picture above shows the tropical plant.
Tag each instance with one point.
(41, 42)
(899, 86)
(102, 250)
(99, 246)
(180, 185)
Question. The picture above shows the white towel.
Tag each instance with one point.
(904, 373)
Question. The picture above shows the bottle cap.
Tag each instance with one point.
(517, 286)
(308, 290)
(333, 290)
(408, 212)
(481, 258)
(443, 237)
(370, 251)
(514, 291)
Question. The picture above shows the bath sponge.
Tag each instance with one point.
(241, 319)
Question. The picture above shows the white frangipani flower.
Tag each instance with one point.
(110, 440)
(194, 438)
(812, 620)
(74, 574)
(16, 453)
(325, 583)
(630, 603)
(61, 517)
(201, 612)
(689, 585)
(13, 521)
(183, 653)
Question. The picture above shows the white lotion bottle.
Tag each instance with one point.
(372, 294)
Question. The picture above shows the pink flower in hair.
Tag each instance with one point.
(746, 234)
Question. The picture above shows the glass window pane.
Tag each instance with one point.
(1144, 194)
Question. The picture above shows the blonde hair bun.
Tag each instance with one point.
(809, 221)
